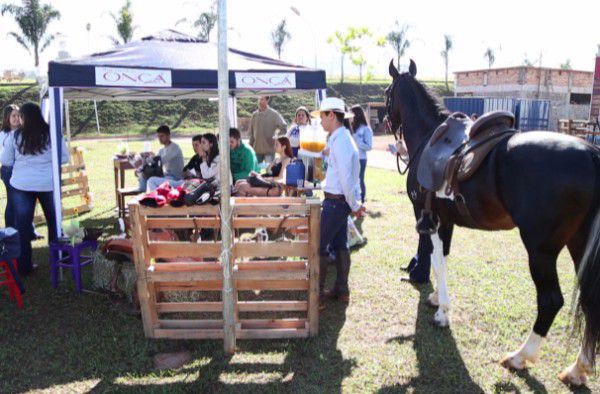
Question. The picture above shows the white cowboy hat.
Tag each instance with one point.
(333, 104)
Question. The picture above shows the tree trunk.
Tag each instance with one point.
(447, 87)
(36, 55)
(342, 76)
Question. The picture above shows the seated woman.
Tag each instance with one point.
(210, 165)
(275, 173)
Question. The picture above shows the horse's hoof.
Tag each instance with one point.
(432, 300)
(513, 362)
(441, 320)
(571, 378)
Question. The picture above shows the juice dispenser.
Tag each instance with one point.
(313, 140)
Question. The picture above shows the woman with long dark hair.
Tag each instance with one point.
(10, 122)
(28, 151)
(363, 136)
(210, 164)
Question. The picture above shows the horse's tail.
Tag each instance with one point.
(589, 279)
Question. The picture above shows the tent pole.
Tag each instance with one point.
(56, 98)
(68, 123)
(229, 293)
(233, 110)
(96, 112)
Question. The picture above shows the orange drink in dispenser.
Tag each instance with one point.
(313, 140)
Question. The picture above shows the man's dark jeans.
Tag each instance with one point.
(334, 236)
(24, 206)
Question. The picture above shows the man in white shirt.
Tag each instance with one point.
(342, 197)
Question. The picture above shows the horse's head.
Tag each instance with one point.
(413, 111)
(392, 93)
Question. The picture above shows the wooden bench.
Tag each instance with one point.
(275, 282)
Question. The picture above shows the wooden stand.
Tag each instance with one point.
(120, 165)
(276, 283)
(74, 183)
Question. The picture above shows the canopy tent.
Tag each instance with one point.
(172, 65)
(163, 66)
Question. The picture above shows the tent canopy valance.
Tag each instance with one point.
(172, 65)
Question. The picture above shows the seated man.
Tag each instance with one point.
(191, 169)
(242, 156)
(171, 158)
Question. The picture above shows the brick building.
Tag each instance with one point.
(569, 91)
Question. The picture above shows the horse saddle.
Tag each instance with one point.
(458, 146)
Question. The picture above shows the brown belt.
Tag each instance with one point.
(335, 196)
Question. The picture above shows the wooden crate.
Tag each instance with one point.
(288, 270)
(76, 196)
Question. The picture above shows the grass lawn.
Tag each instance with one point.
(382, 342)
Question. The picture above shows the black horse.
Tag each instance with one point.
(546, 184)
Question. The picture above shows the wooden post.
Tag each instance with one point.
(146, 290)
(313, 266)
(225, 174)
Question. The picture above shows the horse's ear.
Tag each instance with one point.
(393, 70)
(412, 69)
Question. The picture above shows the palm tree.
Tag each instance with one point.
(279, 36)
(124, 21)
(491, 57)
(444, 53)
(33, 19)
(397, 40)
(205, 22)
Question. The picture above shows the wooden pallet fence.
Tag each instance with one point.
(275, 282)
(75, 188)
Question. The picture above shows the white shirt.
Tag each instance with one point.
(31, 173)
(4, 135)
(212, 171)
(343, 169)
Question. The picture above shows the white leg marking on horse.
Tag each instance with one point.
(576, 373)
(529, 351)
(438, 262)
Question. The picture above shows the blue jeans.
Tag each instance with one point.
(9, 212)
(24, 204)
(334, 226)
(154, 182)
(363, 188)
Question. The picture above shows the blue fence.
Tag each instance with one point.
(529, 114)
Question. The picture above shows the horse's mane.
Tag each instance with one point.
(429, 99)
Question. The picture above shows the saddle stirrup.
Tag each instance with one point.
(428, 223)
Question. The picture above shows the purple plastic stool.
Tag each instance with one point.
(72, 259)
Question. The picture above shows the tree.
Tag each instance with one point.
(566, 65)
(33, 19)
(397, 40)
(491, 57)
(346, 43)
(124, 21)
(279, 36)
(206, 22)
(527, 62)
(444, 53)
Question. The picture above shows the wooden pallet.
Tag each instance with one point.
(275, 283)
(76, 196)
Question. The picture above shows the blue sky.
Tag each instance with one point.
(514, 29)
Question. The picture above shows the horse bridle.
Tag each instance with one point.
(399, 133)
